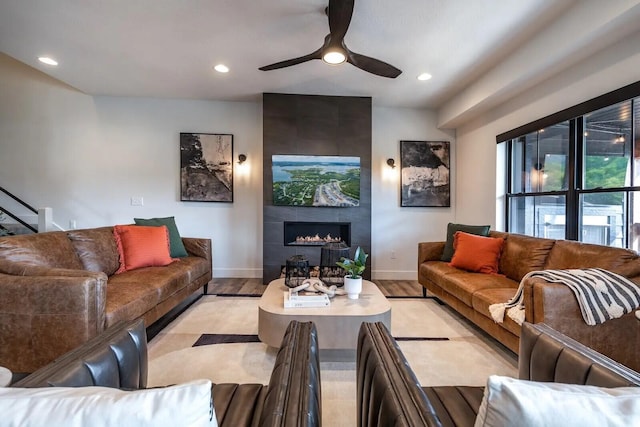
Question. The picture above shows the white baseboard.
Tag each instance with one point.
(240, 273)
(394, 274)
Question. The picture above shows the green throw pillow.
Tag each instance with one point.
(478, 230)
(176, 247)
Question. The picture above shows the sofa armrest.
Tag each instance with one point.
(198, 247)
(388, 392)
(548, 355)
(429, 251)
(43, 317)
(115, 358)
(555, 305)
(293, 395)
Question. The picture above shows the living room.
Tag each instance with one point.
(87, 155)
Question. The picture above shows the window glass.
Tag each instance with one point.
(602, 218)
(607, 147)
(538, 216)
(540, 160)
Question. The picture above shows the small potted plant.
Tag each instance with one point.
(354, 268)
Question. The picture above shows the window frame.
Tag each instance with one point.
(575, 167)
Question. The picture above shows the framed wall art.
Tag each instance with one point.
(425, 171)
(206, 167)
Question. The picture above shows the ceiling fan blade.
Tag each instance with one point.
(340, 12)
(372, 65)
(294, 61)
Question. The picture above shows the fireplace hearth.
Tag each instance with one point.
(316, 233)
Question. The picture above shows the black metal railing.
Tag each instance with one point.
(13, 216)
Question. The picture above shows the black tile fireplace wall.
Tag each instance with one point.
(321, 126)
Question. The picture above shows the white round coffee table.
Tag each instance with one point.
(337, 325)
(5, 377)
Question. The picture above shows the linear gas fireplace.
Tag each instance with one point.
(316, 233)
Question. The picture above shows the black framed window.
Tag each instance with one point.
(578, 178)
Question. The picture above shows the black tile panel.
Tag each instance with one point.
(314, 125)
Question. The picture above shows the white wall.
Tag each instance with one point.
(87, 156)
(477, 180)
(396, 231)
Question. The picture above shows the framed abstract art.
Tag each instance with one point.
(425, 169)
(206, 167)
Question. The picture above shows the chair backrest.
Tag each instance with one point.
(116, 358)
(293, 395)
(550, 356)
(388, 391)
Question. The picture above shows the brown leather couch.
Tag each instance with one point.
(118, 358)
(471, 294)
(58, 289)
(389, 393)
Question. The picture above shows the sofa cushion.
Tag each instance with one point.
(128, 300)
(476, 253)
(436, 271)
(175, 241)
(141, 246)
(567, 254)
(510, 401)
(522, 254)
(52, 249)
(96, 248)
(166, 280)
(182, 404)
(482, 299)
(480, 230)
(463, 285)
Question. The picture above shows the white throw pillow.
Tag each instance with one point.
(187, 404)
(510, 402)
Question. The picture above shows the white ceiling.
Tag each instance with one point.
(167, 48)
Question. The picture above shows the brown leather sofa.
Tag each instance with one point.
(58, 289)
(471, 294)
(118, 358)
(389, 393)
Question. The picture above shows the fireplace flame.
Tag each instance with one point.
(306, 240)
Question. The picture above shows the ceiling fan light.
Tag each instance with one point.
(334, 57)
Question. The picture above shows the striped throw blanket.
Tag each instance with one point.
(601, 295)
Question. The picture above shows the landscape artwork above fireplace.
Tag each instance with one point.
(320, 181)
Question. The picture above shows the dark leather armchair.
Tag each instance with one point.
(118, 358)
(389, 393)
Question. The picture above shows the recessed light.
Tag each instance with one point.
(424, 76)
(221, 68)
(48, 61)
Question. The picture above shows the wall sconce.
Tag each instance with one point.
(242, 158)
(391, 163)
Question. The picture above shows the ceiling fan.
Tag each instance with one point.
(334, 51)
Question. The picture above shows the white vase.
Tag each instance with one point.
(353, 287)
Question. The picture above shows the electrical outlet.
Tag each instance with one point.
(72, 224)
(137, 201)
(393, 254)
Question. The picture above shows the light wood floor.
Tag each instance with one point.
(394, 288)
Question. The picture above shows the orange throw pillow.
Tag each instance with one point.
(476, 253)
(142, 246)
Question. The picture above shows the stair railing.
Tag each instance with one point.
(23, 203)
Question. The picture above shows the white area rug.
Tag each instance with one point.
(467, 358)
